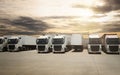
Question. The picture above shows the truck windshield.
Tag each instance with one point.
(94, 41)
(112, 40)
(58, 41)
(1, 41)
(42, 41)
(12, 41)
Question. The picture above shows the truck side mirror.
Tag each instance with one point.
(19, 37)
(5, 38)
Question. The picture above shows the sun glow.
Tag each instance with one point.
(87, 2)
(40, 8)
(99, 3)
(84, 13)
(90, 3)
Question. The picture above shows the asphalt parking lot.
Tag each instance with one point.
(70, 63)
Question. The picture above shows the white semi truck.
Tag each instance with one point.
(3, 43)
(77, 42)
(19, 43)
(44, 43)
(59, 43)
(94, 44)
(110, 43)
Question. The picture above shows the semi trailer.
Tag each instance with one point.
(19, 43)
(110, 43)
(3, 43)
(94, 44)
(44, 43)
(76, 42)
(59, 43)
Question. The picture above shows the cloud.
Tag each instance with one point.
(78, 25)
(15, 32)
(111, 28)
(109, 5)
(31, 24)
(23, 25)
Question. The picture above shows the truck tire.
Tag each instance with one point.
(69, 48)
(4, 49)
(20, 49)
(49, 49)
(66, 50)
(23, 48)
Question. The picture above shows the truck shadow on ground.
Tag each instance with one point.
(77, 50)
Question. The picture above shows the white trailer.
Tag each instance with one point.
(59, 43)
(110, 43)
(18, 43)
(3, 43)
(94, 44)
(77, 42)
(44, 43)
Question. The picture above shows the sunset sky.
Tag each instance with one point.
(65, 16)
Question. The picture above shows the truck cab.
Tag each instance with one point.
(3, 43)
(111, 43)
(59, 43)
(94, 44)
(14, 43)
(22, 42)
(44, 43)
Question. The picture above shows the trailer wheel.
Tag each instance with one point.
(23, 48)
(20, 48)
(38, 52)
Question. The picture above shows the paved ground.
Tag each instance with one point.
(70, 63)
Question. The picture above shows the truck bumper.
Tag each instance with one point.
(94, 52)
(42, 49)
(58, 49)
(94, 49)
(111, 52)
(113, 49)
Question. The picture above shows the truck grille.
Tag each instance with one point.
(57, 48)
(113, 48)
(94, 48)
(41, 48)
(11, 46)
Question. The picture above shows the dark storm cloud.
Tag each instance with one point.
(111, 28)
(110, 5)
(117, 15)
(16, 32)
(2, 26)
(32, 26)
